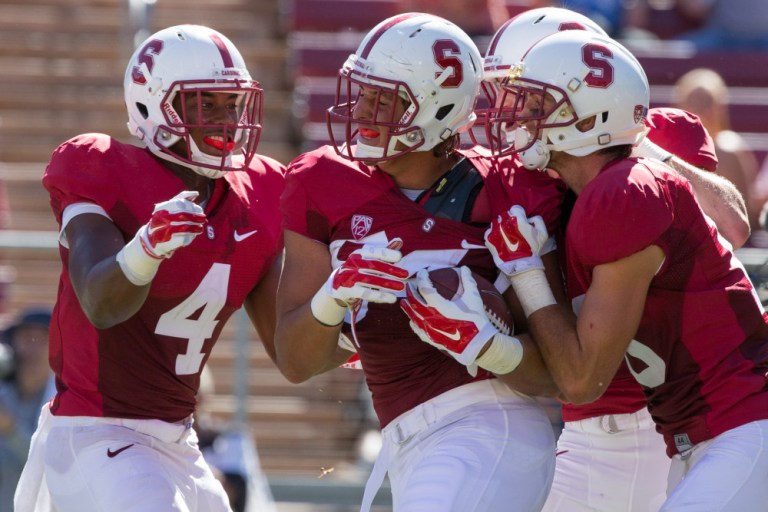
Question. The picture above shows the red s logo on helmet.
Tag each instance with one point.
(146, 57)
(596, 57)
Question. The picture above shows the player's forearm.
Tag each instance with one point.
(531, 376)
(107, 297)
(575, 372)
(720, 200)
(304, 347)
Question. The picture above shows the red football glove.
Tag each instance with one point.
(459, 326)
(368, 274)
(517, 242)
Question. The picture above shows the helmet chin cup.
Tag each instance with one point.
(535, 156)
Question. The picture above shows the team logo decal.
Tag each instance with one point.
(640, 113)
(361, 225)
(209, 231)
(428, 225)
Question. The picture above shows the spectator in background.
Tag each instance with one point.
(619, 18)
(476, 17)
(705, 93)
(27, 383)
(760, 195)
(727, 24)
(7, 273)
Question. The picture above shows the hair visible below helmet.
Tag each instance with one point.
(567, 80)
(427, 62)
(191, 59)
(506, 49)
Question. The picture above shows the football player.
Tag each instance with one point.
(159, 246)
(390, 198)
(654, 285)
(610, 456)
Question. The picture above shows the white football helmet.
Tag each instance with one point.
(192, 59)
(507, 47)
(427, 62)
(570, 77)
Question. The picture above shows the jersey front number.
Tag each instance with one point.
(210, 296)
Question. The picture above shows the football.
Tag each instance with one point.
(446, 282)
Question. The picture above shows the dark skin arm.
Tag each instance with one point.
(105, 294)
(260, 305)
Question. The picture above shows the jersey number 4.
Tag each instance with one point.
(195, 318)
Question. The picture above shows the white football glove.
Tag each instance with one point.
(517, 242)
(459, 326)
(174, 224)
(368, 274)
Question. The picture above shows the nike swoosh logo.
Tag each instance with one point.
(512, 247)
(117, 452)
(561, 452)
(455, 336)
(240, 238)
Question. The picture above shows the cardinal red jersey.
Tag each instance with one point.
(347, 204)
(149, 365)
(701, 350)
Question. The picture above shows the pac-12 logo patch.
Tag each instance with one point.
(641, 111)
(361, 225)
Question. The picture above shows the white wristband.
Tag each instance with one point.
(648, 149)
(326, 310)
(138, 266)
(532, 290)
(502, 356)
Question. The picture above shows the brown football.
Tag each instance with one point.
(446, 282)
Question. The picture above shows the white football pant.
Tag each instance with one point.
(89, 464)
(728, 473)
(477, 448)
(612, 463)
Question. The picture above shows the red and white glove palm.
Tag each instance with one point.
(517, 242)
(458, 326)
(174, 223)
(367, 274)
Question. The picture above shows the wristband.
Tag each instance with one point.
(137, 265)
(502, 356)
(649, 149)
(326, 310)
(532, 290)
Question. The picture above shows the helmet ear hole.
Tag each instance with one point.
(142, 108)
(443, 111)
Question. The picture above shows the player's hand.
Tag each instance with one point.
(517, 242)
(459, 327)
(368, 274)
(173, 224)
